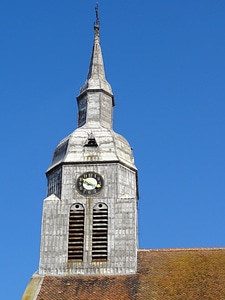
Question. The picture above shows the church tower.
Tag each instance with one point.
(89, 222)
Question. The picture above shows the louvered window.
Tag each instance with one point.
(100, 233)
(76, 232)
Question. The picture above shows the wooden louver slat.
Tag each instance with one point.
(76, 233)
(100, 233)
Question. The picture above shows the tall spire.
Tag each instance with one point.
(96, 78)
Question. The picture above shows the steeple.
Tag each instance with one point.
(96, 79)
(89, 223)
(89, 219)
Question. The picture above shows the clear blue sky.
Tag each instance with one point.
(165, 61)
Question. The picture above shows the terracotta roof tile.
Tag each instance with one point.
(174, 274)
(171, 274)
(84, 288)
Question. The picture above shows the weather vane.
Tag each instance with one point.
(97, 22)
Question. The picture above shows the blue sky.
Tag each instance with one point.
(166, 64)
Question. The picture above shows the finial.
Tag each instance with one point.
(97, 22)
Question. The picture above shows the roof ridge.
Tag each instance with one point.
(181, 249)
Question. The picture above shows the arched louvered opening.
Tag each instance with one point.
(76, 232)
(100, 233)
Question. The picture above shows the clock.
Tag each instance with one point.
(89, 183)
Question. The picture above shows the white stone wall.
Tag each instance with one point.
(120, 195)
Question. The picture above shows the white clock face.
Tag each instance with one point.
(89, 183)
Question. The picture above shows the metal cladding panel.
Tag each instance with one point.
(110, 146)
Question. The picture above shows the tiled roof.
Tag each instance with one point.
(89, 288)
(184, 274)
(170, 274)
